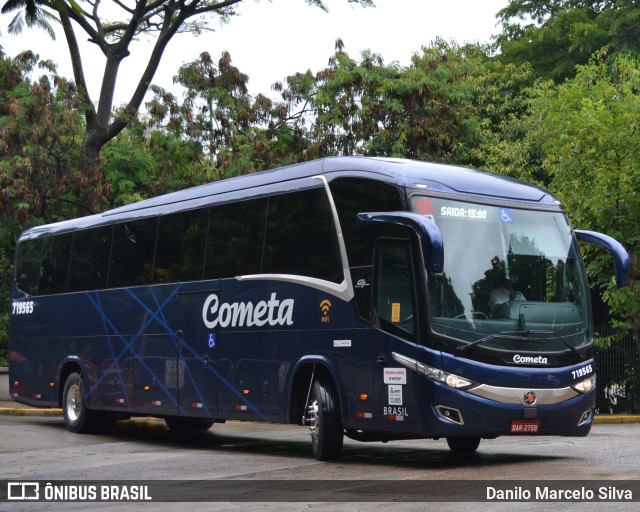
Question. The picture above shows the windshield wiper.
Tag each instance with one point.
(502, 335)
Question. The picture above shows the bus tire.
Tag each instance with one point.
(77, 417)
(463, 444)
(323, 418)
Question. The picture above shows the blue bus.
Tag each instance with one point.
(376, 298)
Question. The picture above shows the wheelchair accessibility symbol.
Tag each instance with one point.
(212, 340)
(506, 216)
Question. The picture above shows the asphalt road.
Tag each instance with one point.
(240, 458)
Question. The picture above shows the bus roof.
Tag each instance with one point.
(426, 176)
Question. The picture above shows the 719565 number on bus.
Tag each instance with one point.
(22, 307)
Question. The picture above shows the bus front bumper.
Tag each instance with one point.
(539, 412)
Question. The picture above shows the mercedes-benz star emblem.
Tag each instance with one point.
(530, 398)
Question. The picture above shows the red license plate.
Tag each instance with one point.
(525, 426)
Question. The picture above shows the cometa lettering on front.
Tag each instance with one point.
(271, 312)
(530, 360)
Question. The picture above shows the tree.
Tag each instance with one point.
(162, 18)
(36, 14)
(588, 130)
(141, 163)
(497, 137)
(371, 108)
(216, 106)
(40, 139)
(239, 134)
(556, 35)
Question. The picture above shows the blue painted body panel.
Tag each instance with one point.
(149, 350)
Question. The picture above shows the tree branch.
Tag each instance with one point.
(171, 25)
(76, 63)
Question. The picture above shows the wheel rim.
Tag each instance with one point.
(74, 403)
(313, 420)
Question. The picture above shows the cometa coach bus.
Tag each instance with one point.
(375, 298)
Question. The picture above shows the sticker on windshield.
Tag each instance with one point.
(464, 213)
(424, 206)
(506, 216)
(395, 312)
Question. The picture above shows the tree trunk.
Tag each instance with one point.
(92, 187)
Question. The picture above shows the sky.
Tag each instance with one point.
(270, 40)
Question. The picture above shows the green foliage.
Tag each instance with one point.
(36, 14)
(587, 129)
(40, 131)
(575, 134)
(561, 34)
(6, 268)
(216, 108)
(142, 163)
(496, 136)
(239, 134)
(113, 32)
(40, 138)
(374, 109)
(561, 37)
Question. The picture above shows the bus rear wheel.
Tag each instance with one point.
(323, 418)
(77, 417)
(463, 444)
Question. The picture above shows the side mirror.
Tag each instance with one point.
(621, 260)
(427, 231)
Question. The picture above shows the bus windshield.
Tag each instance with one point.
(512, 279)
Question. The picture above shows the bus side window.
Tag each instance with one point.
(90, 259)
(29, 262)
(235, 239)
(182, 239)
(356, 195)
(132, 253)
(393, 287)
(56, 252)
(301, 237)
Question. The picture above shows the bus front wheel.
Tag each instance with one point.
(463, 444)
(77, 417)
(323, 419)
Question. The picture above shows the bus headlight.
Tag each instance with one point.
(450, 379)
(586, 385)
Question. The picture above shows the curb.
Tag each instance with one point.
(616, 418)
(20, 410)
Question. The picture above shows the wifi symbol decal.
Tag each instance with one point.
(325, 306)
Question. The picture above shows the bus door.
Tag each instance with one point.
(396, 316)
(199, 380)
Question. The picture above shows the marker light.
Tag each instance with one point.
(454, 381)
(586, 385)
(450, 379)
